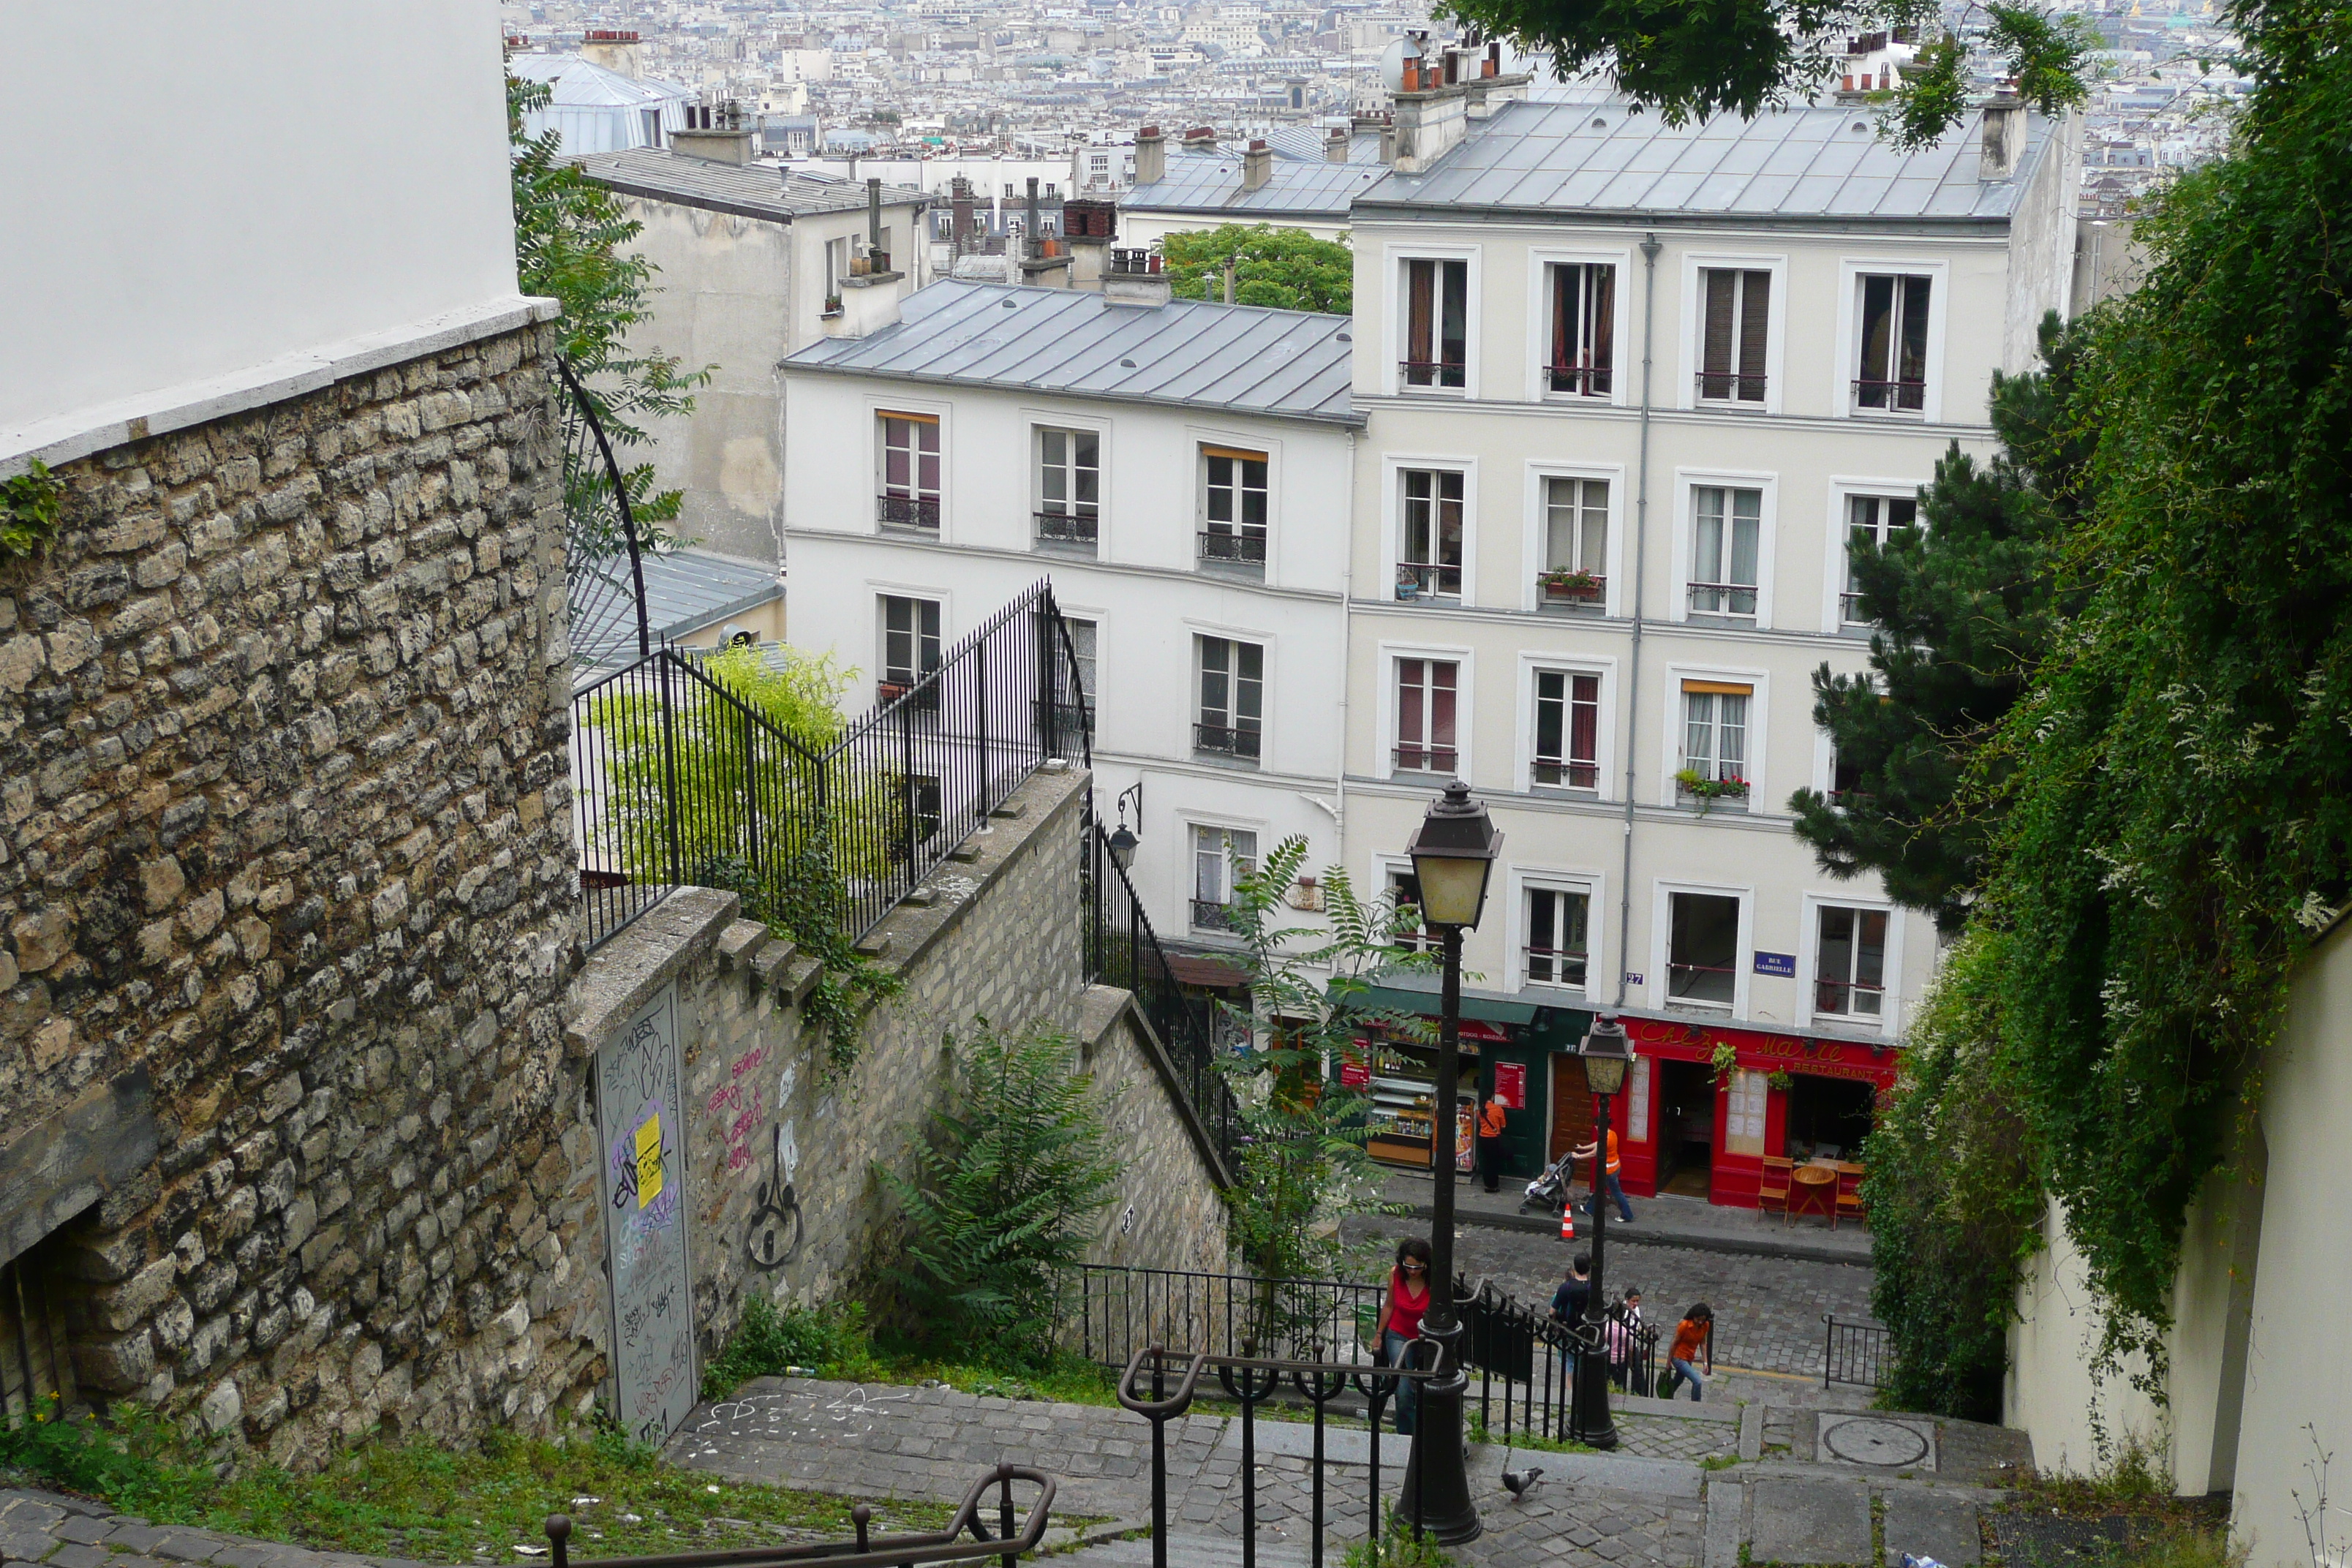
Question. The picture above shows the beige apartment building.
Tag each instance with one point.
(1630, 388)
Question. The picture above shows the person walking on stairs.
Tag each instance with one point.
(1408, 1299)
(1693, 1336)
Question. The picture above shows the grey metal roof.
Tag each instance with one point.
(579, 84)
(1196, 182)
(686, 590)
(1824, 161)
(749, 190)
(1291, 364)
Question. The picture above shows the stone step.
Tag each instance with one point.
(1195, 1552)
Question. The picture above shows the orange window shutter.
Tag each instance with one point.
(1721, 688)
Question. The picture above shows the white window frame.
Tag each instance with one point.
(1758, 728)
(1464, 705)
(1057, 419)
(882, 590)
(1100, 621)
(1889, 1023)
(1686, 551)
(1195, 437)
(1593, 885)
(1393, 466)
(1775, 331)
(876, 409)
(1269, 652)
(1850, 271)
(1233, 691)
(1662, 941)
(1392, 259)
(1614, 600)
(1385, 867)
(1523, 729)
(1843, 488)
(1540, 261)
(1192, 823)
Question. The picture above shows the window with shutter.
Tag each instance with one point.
(1734, 331)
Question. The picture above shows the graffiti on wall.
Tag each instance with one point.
(638, 1126)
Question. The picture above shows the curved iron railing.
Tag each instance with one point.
(603, 567)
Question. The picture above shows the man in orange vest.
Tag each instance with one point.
(1608, 1180)
(1490, 1140)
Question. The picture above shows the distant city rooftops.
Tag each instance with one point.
(749, 190)
(1290, 365)
(1805, 163)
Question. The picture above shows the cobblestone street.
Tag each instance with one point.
(1767, 1311)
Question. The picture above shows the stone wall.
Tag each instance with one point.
(286, 870)
(780, 1148)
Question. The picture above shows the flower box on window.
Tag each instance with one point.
(1567, 584)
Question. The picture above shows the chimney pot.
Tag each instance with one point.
(2004, 138)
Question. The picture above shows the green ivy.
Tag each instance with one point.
(29, 512)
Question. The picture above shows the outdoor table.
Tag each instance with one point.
(1816, 1184)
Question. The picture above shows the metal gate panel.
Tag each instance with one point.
(36, 1372)
(641, 1128)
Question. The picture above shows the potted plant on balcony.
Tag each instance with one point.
(1408, 582)
(1564, 583)
(1707, 790)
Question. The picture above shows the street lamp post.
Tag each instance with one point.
(1452, 856)
(1606, 1056)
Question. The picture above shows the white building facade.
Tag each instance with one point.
(1181, 470)
(1620, 427)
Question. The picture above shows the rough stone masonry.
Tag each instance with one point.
(285, 909)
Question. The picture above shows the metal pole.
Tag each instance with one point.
(1594, 1425)
(1437, 1478)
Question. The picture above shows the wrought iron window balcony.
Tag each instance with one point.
(1890, 397)
(1555, 966)
(1723, 598)
(1426, 759)
(1582, 380)
(1583, 594)
(908, 511)
(1226, 740)
(1423, 374)
(1212, 914)
(1853, 1002)
(1428, 579)
(1246, 548)
(922, 696)
(1068, 527)
(1552, 773)
(1729, 386)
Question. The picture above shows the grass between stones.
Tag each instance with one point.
(484, 1503)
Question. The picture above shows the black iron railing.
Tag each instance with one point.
(907, 511)
(1730, 386)
(966, 1537)
(1859, 1354)
(1584, 380)
(1067, 527)
(603, 572)
(1552, 773)
(1218, 544)
(1226, 740)
(679, 780)
(1122, 949)
(1417, 579)
(1890, 397)
(1252, 1380)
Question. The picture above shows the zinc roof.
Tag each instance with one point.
(750, 190)
(1287, 363)
(1806, 162)
(579, 84)
(1197, 183)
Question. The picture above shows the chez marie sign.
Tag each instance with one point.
(1756, 1048)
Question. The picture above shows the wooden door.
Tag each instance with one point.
(1571, 1105)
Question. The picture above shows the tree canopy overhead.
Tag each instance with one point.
(1691, 58)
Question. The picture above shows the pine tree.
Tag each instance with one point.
(1964, 608)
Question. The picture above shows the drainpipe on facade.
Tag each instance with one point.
(1634, 657)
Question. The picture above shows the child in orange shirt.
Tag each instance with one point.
(1691, 1340)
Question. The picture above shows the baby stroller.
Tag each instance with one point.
(1549, 1191)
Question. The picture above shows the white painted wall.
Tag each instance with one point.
(253, 232)
(1144, 590)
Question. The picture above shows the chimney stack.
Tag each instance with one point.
(1151, 156)
(878, 255)
(1036, 242)
(959, 215)
(2004, 137)
(715, 133)
(1335, 145)
(1201, 139)
(1258, 167)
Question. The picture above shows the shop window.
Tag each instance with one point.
(1556, 929)
(1850, 964)
(1829, 1117)
(1703, 951)
(1219, 855)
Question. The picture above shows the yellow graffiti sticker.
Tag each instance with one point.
(649, 1161)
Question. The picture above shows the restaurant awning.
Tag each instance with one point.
(1399, 996)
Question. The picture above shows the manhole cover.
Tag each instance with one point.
(1868, 1442)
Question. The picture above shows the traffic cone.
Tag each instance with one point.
(1568, 1223)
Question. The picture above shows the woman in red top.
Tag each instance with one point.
(1401, 1320)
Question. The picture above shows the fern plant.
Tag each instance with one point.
(29, 511)
(998, 1199)
(1311, 1002)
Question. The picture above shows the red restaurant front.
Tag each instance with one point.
(1694, 1129)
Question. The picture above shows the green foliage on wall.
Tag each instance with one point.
(31, 507)
(998, 1195)
(1283, 268)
